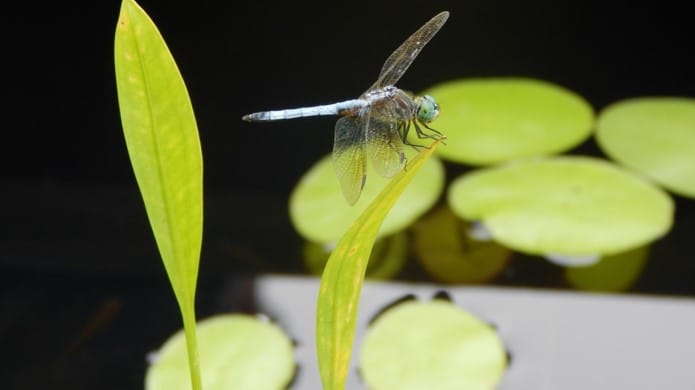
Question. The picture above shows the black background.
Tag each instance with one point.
(75, 241)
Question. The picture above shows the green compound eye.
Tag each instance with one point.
(427, 109)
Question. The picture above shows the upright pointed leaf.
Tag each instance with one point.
(342, 279)
(162, 140)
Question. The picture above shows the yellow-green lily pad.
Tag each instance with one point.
(431, 345)
(320, 213)
(654, 136)
(493, 120)
(570, 205)
(613, 273)
(443, 246)
(237, 351)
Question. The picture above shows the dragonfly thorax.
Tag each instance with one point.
(375, 95)
(391, 101)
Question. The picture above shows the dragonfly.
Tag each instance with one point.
(376, 125)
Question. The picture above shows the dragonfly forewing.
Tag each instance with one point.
(349, 158)
(399, 61)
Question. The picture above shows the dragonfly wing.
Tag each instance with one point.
(383, 139)
(349, 157)
(400, 60)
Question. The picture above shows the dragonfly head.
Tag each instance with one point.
(427, 109)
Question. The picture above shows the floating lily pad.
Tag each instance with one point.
(443, 246)
(320, 213)
(654, 136)
(236, 352)
(495, 120)
(613, 273)
(431, 345)
(564, 205)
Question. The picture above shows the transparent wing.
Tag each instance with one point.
(349, 158)
(400, 60)
(383, 140)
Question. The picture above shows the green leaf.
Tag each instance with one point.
(343, 276)
(388, 258)
(574, 206)
(493, 120)
(238, 351)
(162, 140)
(654, 136)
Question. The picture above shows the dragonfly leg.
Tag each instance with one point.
(438, 135)
(435, 135)
(404, 129)
(421, 134)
